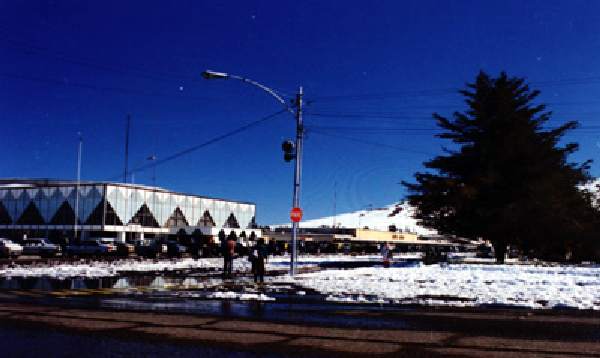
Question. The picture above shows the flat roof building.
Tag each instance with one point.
(58, 208)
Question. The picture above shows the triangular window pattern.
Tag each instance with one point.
(4, 217)
(176, 219)
(64, 215)
(232, 222)
(31, 216)
(95, 217)
(144, 217)
(206, 220)
(111, 216)
(252, 224)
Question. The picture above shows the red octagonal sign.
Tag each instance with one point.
(296, 214)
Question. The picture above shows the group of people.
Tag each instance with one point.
(257, 256)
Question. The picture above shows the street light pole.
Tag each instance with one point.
(153, 158)
(297, 113)
(297, 178)
(75, 224)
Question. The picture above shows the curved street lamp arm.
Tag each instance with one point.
(266, 89)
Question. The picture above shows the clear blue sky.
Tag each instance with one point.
(77, 66)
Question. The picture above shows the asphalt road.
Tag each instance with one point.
(421, 332)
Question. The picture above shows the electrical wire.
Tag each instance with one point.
(201, 145)
(44, 51)
(99, 88)
(358, 140)
(444, 91)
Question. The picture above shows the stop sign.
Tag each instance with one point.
(296, 214)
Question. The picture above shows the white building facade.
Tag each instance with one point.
(45, 207)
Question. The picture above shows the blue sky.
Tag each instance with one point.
(382, 67)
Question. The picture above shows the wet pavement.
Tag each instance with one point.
(44, 342)
(197, 292)
(59, 314)
(68, 331)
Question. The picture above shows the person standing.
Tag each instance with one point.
(260, 254)
(386, 254)
(230, 252)
(224, 252)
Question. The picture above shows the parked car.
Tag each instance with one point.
(124, 249)
(175, 249)
(92, 247)
(109, 242)
(41, 247)
(150, 249)
(9, 248)
(485, 251)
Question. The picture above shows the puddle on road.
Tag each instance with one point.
(298, 312)
(157, 281)
(200, 293)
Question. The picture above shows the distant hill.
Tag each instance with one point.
(399, 215)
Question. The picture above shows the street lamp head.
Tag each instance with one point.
(211, 75)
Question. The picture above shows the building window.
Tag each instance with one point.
(177, 219)
(4, 217)
(206, 220)
(144, 217)
(31, 216)
(231, 222)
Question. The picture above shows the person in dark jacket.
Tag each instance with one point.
(227, 259)
(259, 254)
(231, 245)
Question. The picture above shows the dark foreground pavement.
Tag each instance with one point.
(34, 330)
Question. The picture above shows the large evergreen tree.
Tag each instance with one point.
(506, 179)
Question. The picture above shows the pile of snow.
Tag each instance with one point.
(95, 269)
(460, 285)
(400, 215)
(108, 269)
(240, 296)
(323, 258)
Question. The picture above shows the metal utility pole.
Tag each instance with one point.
(334, 204)
(153, 158)
(289, 151)
(126, 149)
(297, 178)
(75, 225)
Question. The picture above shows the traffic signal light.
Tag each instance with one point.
(289, 150)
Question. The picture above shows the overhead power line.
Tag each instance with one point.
(68, 83)
(369, 130)
(446, 91)
(371, 117)
(385, 95)
(43, 51)
(373, 128)
(391, 118)
(194, 148)
(376, 144)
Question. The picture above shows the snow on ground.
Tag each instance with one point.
(109, 269)
(459, 285)
(316, 259)
(240, 296)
